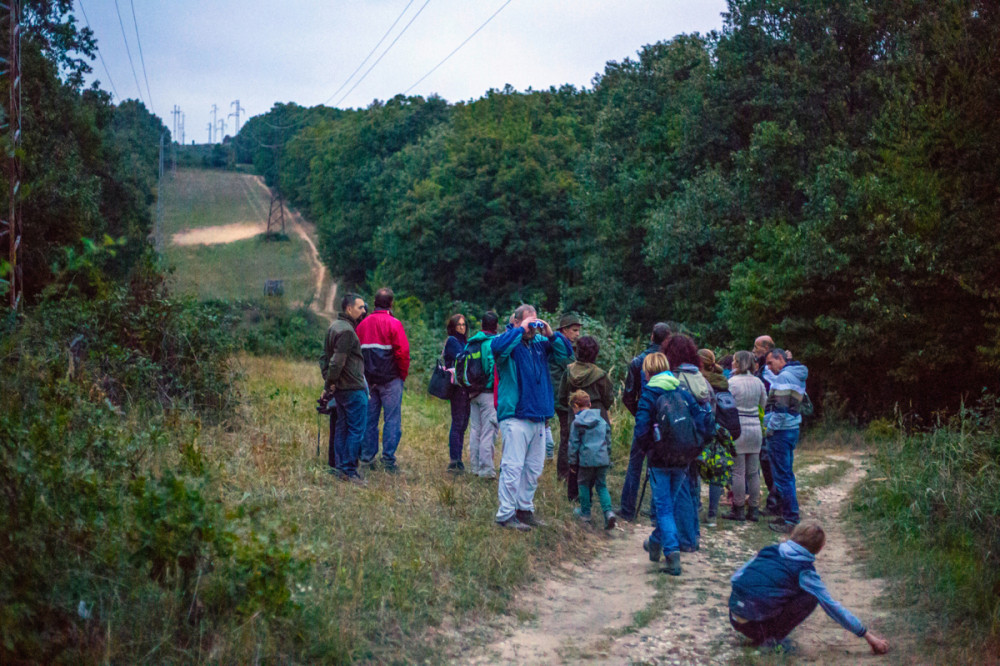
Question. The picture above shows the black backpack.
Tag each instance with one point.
(469, 370)
(677, 439)
(726, 414)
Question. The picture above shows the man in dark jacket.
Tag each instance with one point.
(634, 382)
(387, 362)
(343, 369)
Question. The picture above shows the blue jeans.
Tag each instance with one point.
(630, 488)
(686, 507)
(781, 450)
(664, 483)
(387, 398)
(460, 410)
(352, 416)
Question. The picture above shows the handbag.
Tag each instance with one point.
(442, 381)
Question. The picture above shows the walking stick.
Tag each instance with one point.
(642, 495)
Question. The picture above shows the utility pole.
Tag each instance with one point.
(176, 112)
(182, 129)
(210, 132)
(158, 231)
(236, 113)
(12, 226)
(215, 108)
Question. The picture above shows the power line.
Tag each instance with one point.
(457, 48)
(141, 58)
(100, 55)
(374, 48)
(128, 51)
(387, 49)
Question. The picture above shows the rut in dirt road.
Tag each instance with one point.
(586, 612)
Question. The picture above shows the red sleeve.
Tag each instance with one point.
(401, 350)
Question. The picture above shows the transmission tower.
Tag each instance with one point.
(236, 113)
(215, 109)
(220, 128)
(176, 113)
(276, 213)
(210, 132)
(12, 226)
(182, 129)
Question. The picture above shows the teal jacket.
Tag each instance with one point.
(487, 355)
(525, 390)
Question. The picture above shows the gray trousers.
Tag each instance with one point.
(746, 478)
(483, 418)
(520, 465)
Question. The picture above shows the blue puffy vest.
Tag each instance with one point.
(768, 583)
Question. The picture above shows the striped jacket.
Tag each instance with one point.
(785, 396)
(384, 347)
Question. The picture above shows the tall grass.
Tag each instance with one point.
(930, 509)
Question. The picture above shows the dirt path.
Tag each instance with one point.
(585, 613)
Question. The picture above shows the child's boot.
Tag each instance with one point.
(578, 512)
(738, 513)
(609, 520)
(673, 564)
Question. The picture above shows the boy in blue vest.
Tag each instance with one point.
(778, 589)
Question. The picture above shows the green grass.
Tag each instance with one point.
(194, 198)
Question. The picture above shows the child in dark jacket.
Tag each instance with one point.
(589, 436)
(779, 588)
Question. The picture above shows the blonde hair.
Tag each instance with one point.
(744, 362)
(809, 535)
(654, 364)
(579, 398)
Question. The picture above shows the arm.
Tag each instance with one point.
(560, 346)
(339, 345)
(562, 395)
(643, 420)
(401, 350)
(633, 385)
(813, 584)
(607, 395)
(452, 348)
(505, 343)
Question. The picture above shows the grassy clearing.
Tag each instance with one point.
(388, 561)
(930, 515)
(194, 198)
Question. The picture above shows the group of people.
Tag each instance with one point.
(530, 373)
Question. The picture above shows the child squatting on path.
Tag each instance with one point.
(589, 435)
(777, 590)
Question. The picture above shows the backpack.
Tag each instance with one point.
(680, 429)
(726, 413)
(469, 371)
(715, 463)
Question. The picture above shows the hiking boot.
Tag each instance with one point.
(653, 548)
(528, 518)
(461, 466)
(337, 474)
(621, 515)
(585, 517)
(753, 515)
(781, 527)
(738, 513)
(356, 480)
(513, 523)
(391, 468)
(454, 468)
(368, 464)
(609, 520)
(673, 564)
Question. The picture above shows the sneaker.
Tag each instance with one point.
(585, 517)
(673, 564)
(781, 527)
(609, 520)
(710, 521)
(528, 518)
(654, 549)
(514, 524)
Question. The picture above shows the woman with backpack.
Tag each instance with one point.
(750, 396)
(460, 402)
(682, 355)
(669, 428)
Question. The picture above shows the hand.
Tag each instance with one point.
(526, 322)
(878, 644)
(547, 331)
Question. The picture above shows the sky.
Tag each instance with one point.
(203, 52)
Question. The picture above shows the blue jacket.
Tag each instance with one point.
(525, 390)
(645, 415)
(589, 435)
(766, 583)
(784, 397)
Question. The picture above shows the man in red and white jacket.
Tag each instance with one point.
(387, 362)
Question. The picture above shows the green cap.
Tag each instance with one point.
(568, 320)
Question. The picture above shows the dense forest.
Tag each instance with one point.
(826, 172)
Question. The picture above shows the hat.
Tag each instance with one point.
(568, 320)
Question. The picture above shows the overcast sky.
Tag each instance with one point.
(198, 53)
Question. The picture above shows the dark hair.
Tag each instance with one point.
(383, 298)
(681, 349)
(348, 300)
(587, 349)
(777, 351)
(490, 321)
(661, 331)
(726, 362)
(453, 324)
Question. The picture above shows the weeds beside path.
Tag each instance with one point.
(620, 609)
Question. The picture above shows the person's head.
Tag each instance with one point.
(744, 362)
(457, 325)
(681, 349)
(776, 360)
(520, 314)
(707, 357)
(570, 326)
(353, 306)
(762, 345)
(809, 535)
(726, 362)
(579, 401)
(654, 364)
(587, 349)
(490, 321)
(383, 298)
(661, 331)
